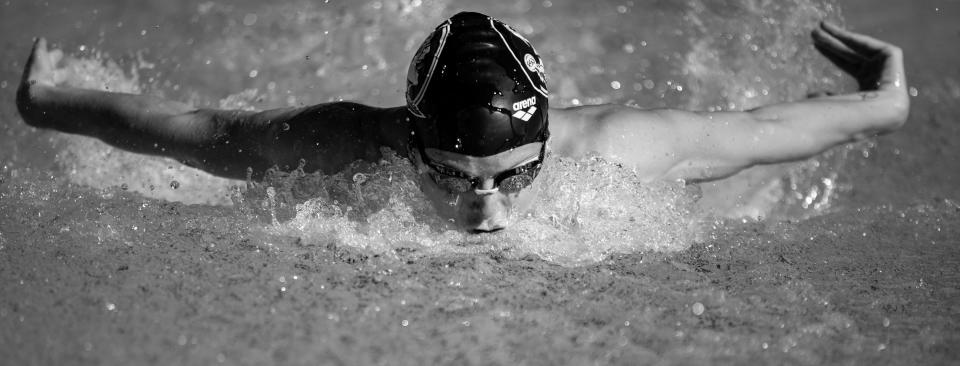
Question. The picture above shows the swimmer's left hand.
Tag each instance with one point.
(877, 65)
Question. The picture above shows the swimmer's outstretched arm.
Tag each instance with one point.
(224, 143)
(700, 146)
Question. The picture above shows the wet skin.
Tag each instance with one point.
(483, 209)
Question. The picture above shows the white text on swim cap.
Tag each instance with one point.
(519, 108)
(523, 104)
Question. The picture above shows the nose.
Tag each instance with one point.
(486, 214)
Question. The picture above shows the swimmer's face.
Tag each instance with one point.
(500, 189)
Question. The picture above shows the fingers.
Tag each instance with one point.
(857, 42)
(40, 65)
(28, 67)
(844, 63)
(832, 47)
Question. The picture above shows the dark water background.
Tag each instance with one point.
(856, 262)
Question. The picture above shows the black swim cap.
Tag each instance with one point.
(476, 87)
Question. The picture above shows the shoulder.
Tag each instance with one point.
(330, 135)
(597, 128)
(653, 142)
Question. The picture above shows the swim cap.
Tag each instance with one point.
(476, 87)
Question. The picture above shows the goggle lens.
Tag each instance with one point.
(515, 183)
(452, 184)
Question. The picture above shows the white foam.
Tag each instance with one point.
(587, 210)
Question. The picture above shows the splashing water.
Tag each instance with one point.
(589, 209)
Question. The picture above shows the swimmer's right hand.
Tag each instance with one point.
(41, 65)
(39, 71)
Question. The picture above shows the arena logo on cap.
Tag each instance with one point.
(522, 112)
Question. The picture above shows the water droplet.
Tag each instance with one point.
(174, 184)
(615, 85)
(359, 178)
(628, 48)
(405, 322)
(697, 308)
(111, 306)
(250, 19)
(253, 73)
(914, 92)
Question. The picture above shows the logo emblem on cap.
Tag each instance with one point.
(525, 109)
(532, 64)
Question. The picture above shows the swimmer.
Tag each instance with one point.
(477, 123)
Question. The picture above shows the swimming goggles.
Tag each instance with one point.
(510, 181)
